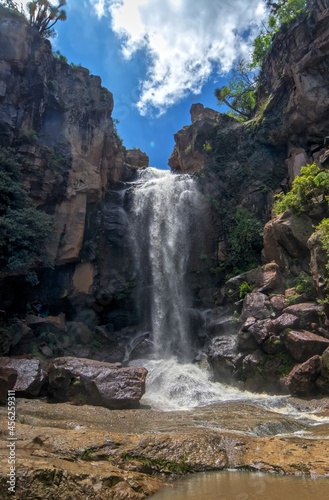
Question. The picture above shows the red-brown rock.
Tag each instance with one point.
(301, 380)
(257, 305)
(86, 381)
(261, 330)
(307, 312)
(30, 376)
(8, 378)
(302, 344)
(284, 321)
(285, 237)
(325, 364)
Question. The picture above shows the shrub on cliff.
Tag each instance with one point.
(245, 241)
(309, 189)
(23, 229)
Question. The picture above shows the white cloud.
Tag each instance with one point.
(185, 39)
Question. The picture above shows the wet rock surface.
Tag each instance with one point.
(64, 451)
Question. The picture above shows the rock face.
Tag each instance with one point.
(245, 164)
(92, 382)
(57, 117)
(30, 376)
(286, 237)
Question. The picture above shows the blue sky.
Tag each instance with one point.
(158, 57)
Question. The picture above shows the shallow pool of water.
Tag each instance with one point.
(234, 485)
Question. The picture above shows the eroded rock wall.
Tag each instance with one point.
(57, 117)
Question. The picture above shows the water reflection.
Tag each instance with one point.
(233, 485)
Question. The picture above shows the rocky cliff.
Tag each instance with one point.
(57, 118)
(239, 168)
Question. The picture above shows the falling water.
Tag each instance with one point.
(167, 219)
(165, 208)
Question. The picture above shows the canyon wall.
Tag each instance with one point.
(57, 118)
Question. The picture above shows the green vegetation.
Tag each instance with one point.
(159, 464)
(240, 94)
(245, 241)
(87, 455)
(304, 284)
(322, 230)
(281, 13)
(23, 229)
(244, 289)
(285, 367)
(207, 147)
(43, 15)
(309, 189)
(60, 57)
(29, 136)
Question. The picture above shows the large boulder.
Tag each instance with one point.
(325, 364)
(270, 279)
(256, 305)
(285, 238)
(8, 377)
(30, 376)
(302, 344)
(301, 380)
(223, 358)
(307, 312)
(86, 381)
(261, 330)
(22, 340)
(285, 321)
(245, 340)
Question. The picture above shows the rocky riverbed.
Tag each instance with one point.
(64, 451)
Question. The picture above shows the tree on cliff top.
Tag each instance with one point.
(239, 94)
(43, 15)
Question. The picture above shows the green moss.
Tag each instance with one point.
(244, 289)
(285, 366)
(159, 464)
(87, 455)
(207, 147)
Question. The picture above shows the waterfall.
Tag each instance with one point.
(165, 209)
